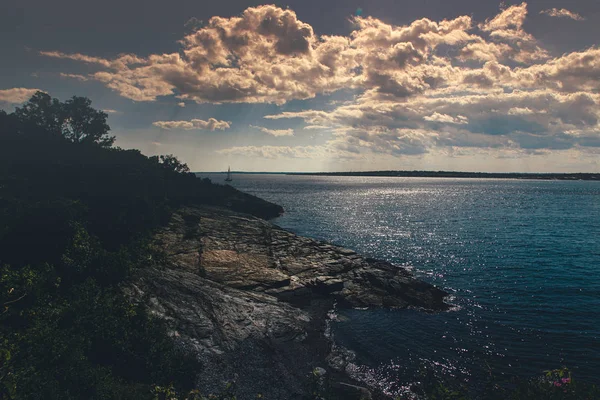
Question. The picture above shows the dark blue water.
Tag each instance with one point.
(520, 258)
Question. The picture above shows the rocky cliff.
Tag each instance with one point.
(251, 300)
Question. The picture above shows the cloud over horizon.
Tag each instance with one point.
(424, 87)
(195, 124)
(274, 132)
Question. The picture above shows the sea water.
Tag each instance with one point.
(520, 258)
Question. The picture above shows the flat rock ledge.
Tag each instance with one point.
(251, 300)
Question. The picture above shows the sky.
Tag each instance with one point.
(328, 85)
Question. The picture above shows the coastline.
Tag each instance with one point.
(252, 301)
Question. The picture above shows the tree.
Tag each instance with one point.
(75, 119)
(171, 163)
(41, 111)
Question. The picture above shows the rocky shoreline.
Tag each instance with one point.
(251, 301)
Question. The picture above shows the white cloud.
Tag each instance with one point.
(77, 57)
(211, 125)
(424, 87)
(17, 95)
(445, 118)
(111, 111)
(511, 18)
(520, 111)
(74, 76)
(274, 132)
(181, 104)
(267, 55)
(527, 119)
(562, 13)
(309, 127)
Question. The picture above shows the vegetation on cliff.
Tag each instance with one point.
(75, 217)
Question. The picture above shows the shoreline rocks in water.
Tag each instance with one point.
(251, 299)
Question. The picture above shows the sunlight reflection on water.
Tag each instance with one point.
(520, 259)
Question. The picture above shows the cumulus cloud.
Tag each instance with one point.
(421, 87)
(181, 104)
(507, 28)
(268, 55)
(274, 132)
(194, 124)
(16, 95)
(562, 13)
(577, 71)
(264, 55)
(510, 19)
(494, 119)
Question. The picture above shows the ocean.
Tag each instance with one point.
(520, 258)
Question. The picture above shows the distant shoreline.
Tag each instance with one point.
(441, 174)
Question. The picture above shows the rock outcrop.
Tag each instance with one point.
(251, 299)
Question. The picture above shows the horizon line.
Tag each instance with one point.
(396, 171)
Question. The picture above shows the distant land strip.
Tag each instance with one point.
(433, 174)
(454, 174)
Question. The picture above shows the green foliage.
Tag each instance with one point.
(68, 335)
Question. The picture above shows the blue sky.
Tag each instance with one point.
(319, 86)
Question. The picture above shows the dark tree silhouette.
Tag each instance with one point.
(75, 119)
(76, 221)
(171, 163)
